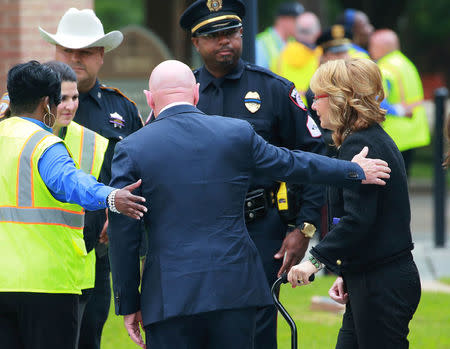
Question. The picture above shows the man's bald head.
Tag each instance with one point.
(307, 28)
(170, 82)
(382, 42)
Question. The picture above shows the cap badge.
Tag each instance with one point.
(337, 31)
(214, 5)
(252, 101)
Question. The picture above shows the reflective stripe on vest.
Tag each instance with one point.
(24, 185)
(87, 147)
(34, 215)
(87, 152)
(25, 212)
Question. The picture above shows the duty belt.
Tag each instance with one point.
(257, 203)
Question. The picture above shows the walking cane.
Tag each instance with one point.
(275, 290)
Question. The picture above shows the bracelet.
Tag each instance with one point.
(112, 201)
(316, 263)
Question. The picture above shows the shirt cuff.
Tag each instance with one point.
(102, 195)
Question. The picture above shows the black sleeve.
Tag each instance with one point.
(93, 225)
(359, 214)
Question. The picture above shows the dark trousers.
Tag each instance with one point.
(38, 320)
(97, 308)
(84, 299)
(381, 304)
(222, 329)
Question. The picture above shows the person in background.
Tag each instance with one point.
(88, 149)
(271, 42)
(358, 23)
(41, 216)
(406, 119)
(81, 43)
(299, 59)
(234, 88)
(370, 246)
(203, 279)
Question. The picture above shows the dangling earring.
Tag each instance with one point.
(49, 118)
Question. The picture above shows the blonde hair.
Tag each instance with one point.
(355, 91)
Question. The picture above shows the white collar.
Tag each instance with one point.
(172, 105)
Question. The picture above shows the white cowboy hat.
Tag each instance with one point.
(82, 29)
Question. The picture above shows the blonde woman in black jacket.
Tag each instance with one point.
(370, 246)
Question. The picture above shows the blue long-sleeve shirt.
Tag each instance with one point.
(65, 182)
(390, 108)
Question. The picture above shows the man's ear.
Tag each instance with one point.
(195, 42)
(196, 93)
(149, 98)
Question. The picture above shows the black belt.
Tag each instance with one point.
(257, 203)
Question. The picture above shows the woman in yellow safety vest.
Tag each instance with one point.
(88, 150)
(42, 251)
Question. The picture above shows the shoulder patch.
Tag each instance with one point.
(313, 128)
(116, 90)
(297, 98)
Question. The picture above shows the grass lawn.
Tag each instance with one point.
(430, 327)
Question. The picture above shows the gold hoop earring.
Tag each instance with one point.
(49, 118)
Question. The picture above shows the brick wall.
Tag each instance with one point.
(20, 40)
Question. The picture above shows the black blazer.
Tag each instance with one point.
(374, 224)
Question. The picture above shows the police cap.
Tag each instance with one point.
(209, 16)
(292, 8)
(335, 39)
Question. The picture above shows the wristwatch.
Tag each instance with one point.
(308, 229)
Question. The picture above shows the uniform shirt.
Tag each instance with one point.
(279, 116)
(110, 114)
(65, 182)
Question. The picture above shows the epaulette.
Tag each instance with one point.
(259, 69)
(115, 89)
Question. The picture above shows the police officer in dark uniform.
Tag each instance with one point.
(234, 88)
(104, 110)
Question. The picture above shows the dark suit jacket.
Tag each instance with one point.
(374, 224)
(196, 171)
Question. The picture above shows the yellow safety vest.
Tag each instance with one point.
(297, 63)
(271, 44)
(88, 150)
(406, 89)
(354, 53)
(41, 239)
